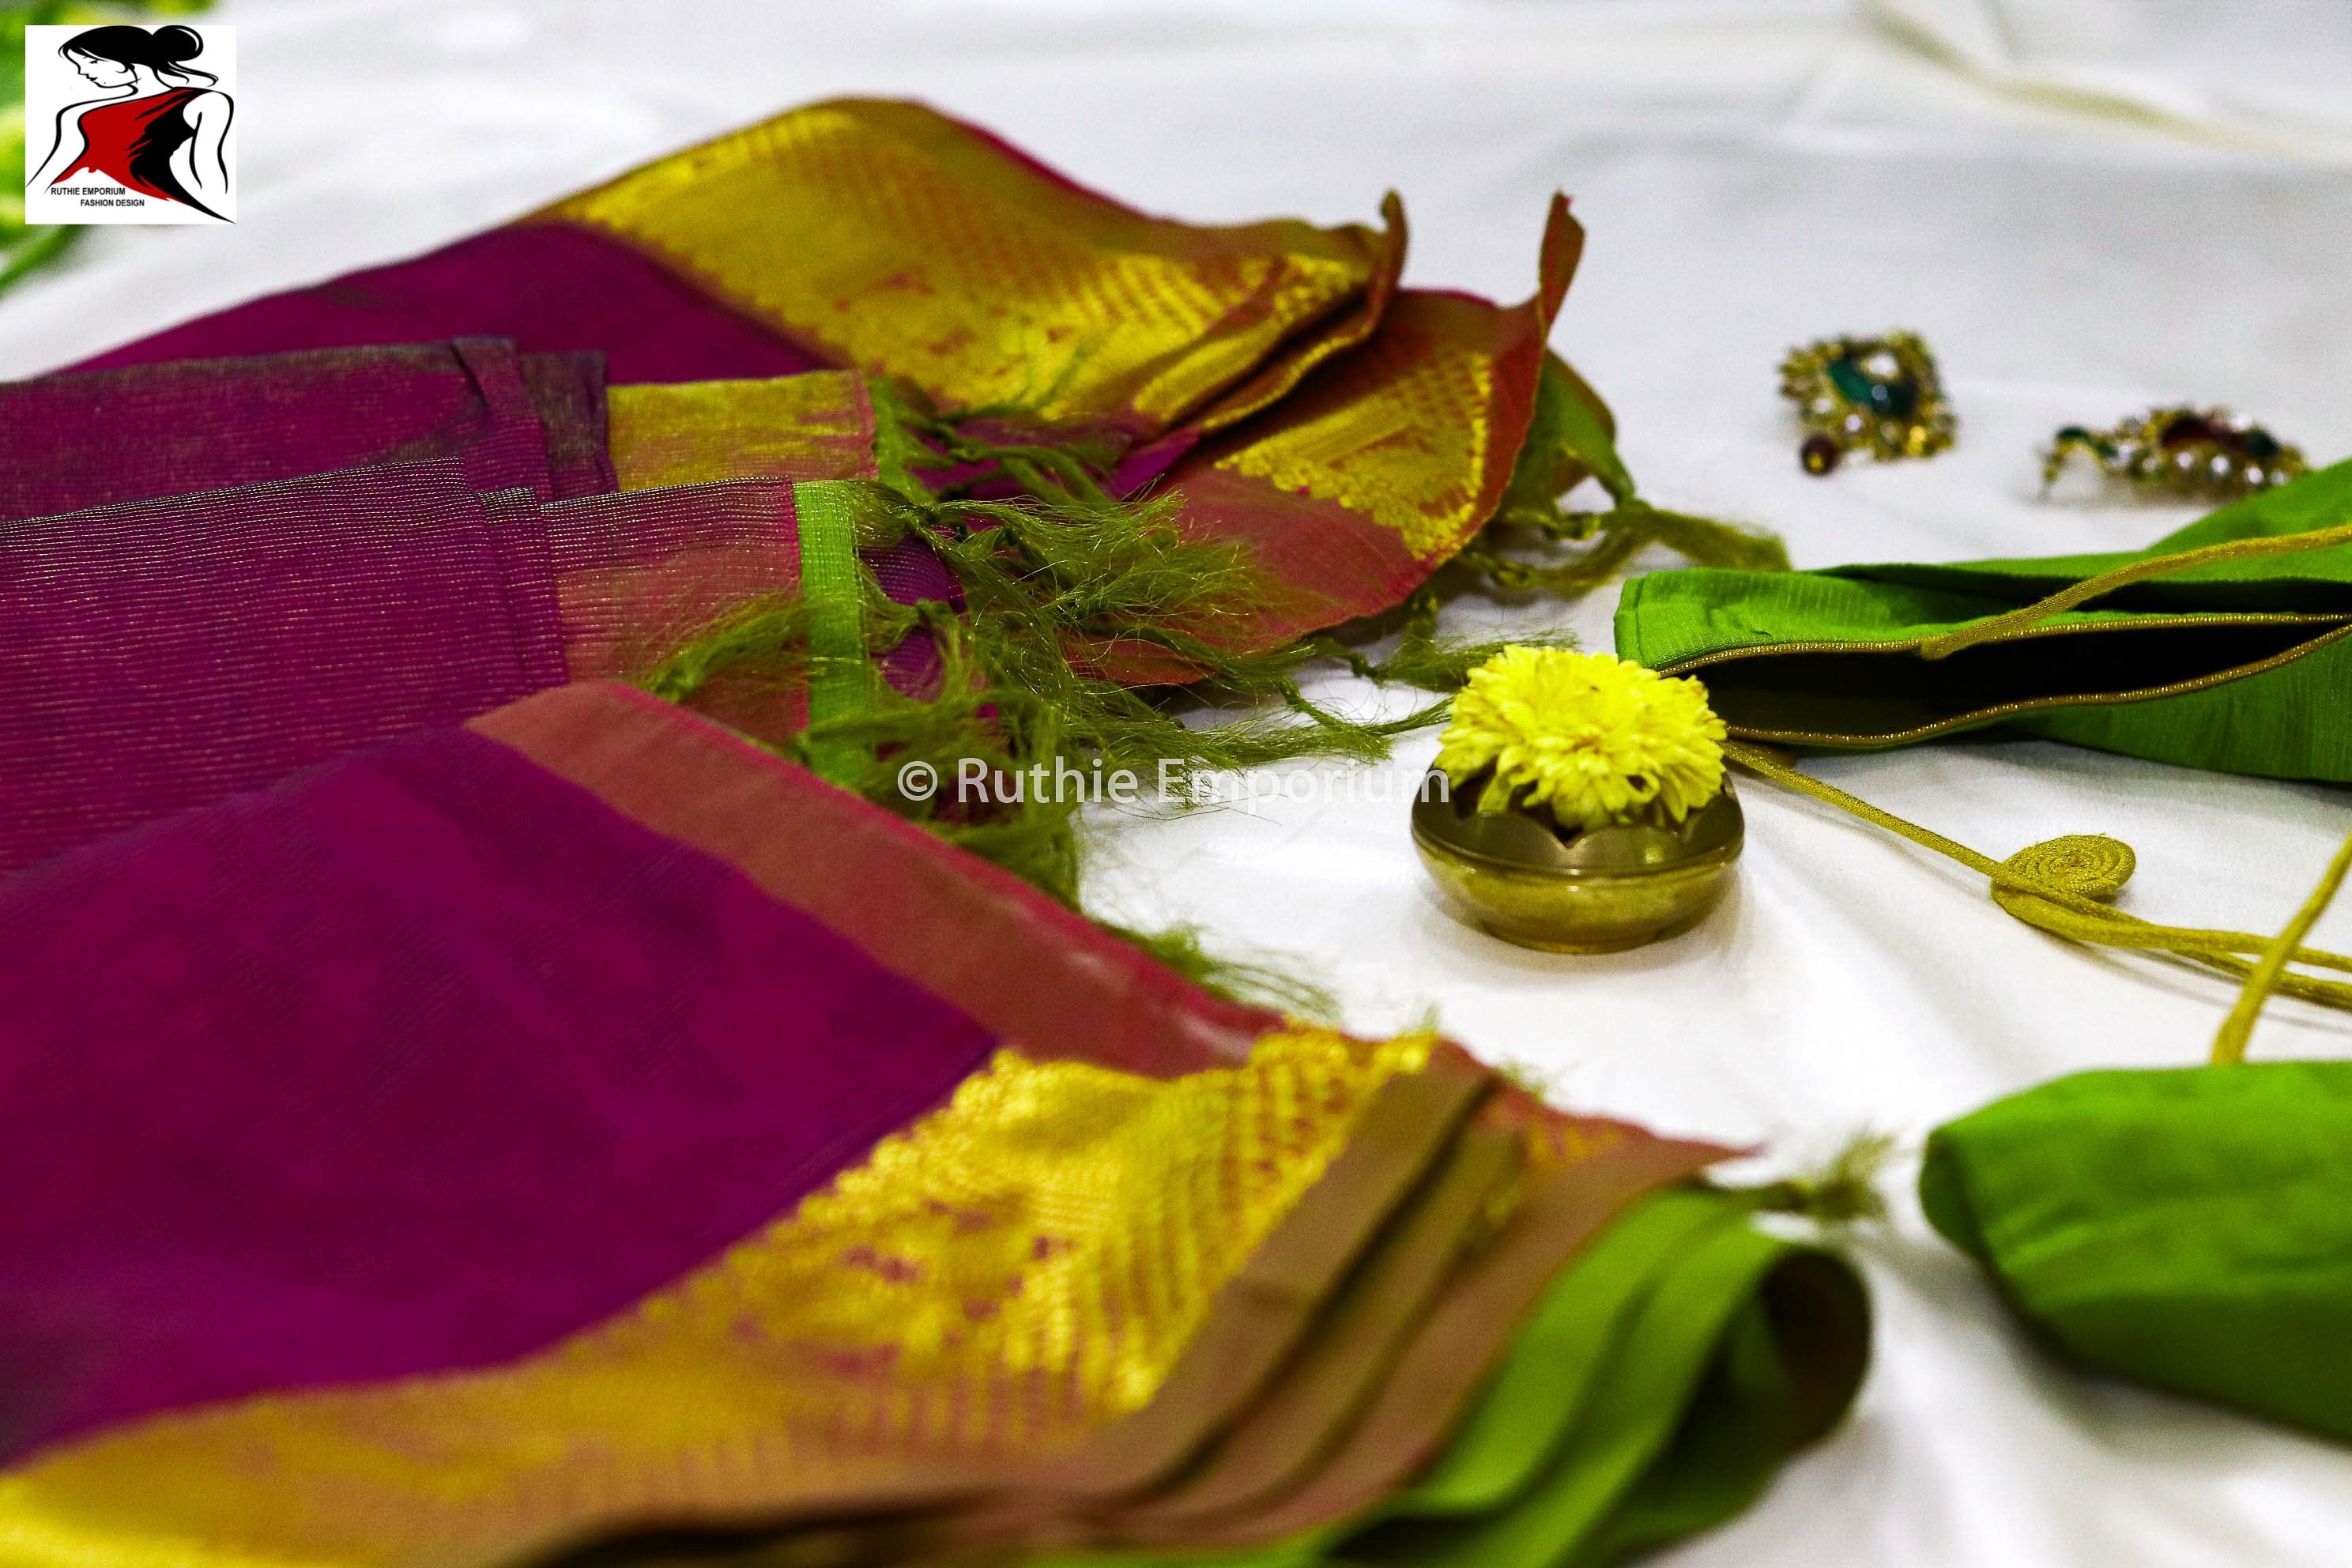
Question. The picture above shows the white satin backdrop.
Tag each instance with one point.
(2086, 205)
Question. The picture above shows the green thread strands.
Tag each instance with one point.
(1049, 585)
(1843, 1192)
(1070, 586)
(1569, 439)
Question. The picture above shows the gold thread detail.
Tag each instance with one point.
(1401, 432)
(2104, 583)
(2089, 864)
(2269, 973)
(908, 245)
(814, 427)
(1016, 1270)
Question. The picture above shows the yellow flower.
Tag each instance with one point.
(1596, 738)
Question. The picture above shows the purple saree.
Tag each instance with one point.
(420, 1062)
(1272, 378)
(509, 420)
(520, 1139)
(552, 289)
(583, 1129)
(161, 654)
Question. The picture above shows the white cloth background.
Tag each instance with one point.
(2086, 205)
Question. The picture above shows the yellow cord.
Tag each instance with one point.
(2060, 886)
(2123, 576)
(2230, 1044)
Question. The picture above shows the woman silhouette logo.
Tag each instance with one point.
(157, 132)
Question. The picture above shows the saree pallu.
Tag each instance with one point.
(874, 235)
(581, 1236)
(1273, 377)
(511, 421)
(2239, 665)
(521, 981)
(1344, 497)
(163, 654)
(1656, 1382)
(1386, 461)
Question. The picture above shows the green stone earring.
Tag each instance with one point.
(1875, 394)
(2188, 452)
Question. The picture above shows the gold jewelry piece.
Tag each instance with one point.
(1875, 395)
(2186, 451)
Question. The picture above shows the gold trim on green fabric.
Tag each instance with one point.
(1739, 714)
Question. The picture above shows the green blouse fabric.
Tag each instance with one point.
(2191, 1229)
(2240, 667)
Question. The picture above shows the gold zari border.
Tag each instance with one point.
(902, 242)
(1016, 1271)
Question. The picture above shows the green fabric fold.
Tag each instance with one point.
(841, 677)
(2239, 665)
(1654, 1390)
(2191, 1229)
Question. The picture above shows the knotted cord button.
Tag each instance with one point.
(2089, 865)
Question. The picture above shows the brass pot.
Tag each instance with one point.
(1530, 881)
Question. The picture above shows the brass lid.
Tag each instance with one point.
(1448, 816)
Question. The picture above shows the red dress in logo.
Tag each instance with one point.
(118, 139)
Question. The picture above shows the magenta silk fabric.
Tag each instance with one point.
(909, 575)
(68, 442)
(549, 287)
(159, 655)
(417, 1062)
(567, 391)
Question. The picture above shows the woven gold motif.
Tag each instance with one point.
(1013, 1273)
(1401, 432)
(905, 243)
(799, 427)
